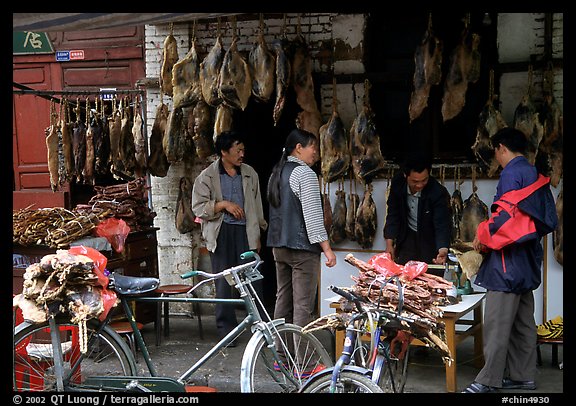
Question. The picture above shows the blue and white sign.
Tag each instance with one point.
(62, 56)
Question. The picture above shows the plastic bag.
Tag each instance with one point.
(109, 298)
(414, 268)
(384, 264)
(115, 231)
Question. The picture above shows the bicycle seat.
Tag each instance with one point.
(133, 285)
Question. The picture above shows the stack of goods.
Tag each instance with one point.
(126, 201)
(54, 227)
(66, 282)
(552, 329)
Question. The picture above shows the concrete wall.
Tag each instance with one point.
(520, 37)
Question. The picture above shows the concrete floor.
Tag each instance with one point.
(426, 371)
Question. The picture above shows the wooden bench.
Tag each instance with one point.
(554, 342)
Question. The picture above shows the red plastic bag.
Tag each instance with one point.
(384, 264)
(108, 296)
(414, 268)
(115, 231)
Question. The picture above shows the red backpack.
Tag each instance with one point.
(508, 223)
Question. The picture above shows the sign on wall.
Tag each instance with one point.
(29, 42)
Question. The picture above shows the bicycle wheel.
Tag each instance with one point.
(33, 363)
(348, 382)
(301, 354)
(394, 373)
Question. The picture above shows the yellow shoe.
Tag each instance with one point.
(552, 328)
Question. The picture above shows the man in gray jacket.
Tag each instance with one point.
(226, 197)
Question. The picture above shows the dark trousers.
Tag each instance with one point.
(410, 251)
(231, 243)
(297, 273)
(509, 335)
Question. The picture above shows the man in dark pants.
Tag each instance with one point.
(226, 196)
(418, 216)
(511, 269)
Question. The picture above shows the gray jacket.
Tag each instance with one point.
(207, 191)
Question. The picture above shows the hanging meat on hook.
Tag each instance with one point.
(101, 142)
(261, 62)
(202, 129)
(338, 229)
(210, 73)
(223, 121)
(366, 219)
(127, 147)
(464, 69)
(79, 144)
(457, 206)
(327, 208)
(283, 73)
(52, 147)
(88, 171)
(427, 71)
(158, 163)
(334, 152)
(351, 209)
(186, 79)
(115, 130)
(235, 83)
(140, 153)
(169, 58)
(367, 159)
(527, 120)
(65, 129)
(490, 122)
(474, 211)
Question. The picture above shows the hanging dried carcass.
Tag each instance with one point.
(526, 119)
(334, 152)
(52, 147)
(140, 152)
(327, 209)
(474, 211)
(173, 141)
(427, 71)
(101, 142)
(66, 130)
(223, 120)
(558, 234)
(186, 79)
(210, 73)
(262, 64)
(127, 147)
(235, 83)
(338, 229)
(550, 152)
(464, 69)
(169, 59)
(79, 143)
(351, 209)
(283, 73)
(115, 129)
(366, 219)
(457, 206)
(184, 219)
(309, 119)
(88, 171)
(367, 159)
(158, 163)
(202, 130)
(490, 122)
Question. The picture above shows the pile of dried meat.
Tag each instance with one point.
(65, 282)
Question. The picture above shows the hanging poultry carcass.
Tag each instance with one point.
(367, 159)
(427, 72)
(169, 59)
(210, 73)
(88, 171)
(262, 64)
(334, 152)
(223, 120)
(490, 122)
(283, 73)
(101, 142)
(140, 152)
(127, 147)
(549, 158)
(66, 130)
(474, 211)
(366, 219)
(115, 130)
(79, 144)
(52, 147)
(558, 234)
(464, 69)
(158, 163)
(309, 119)
(186, 79)
(527, 120)
(235, 83)
(338, 229)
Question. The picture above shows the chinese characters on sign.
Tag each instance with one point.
(29, 42)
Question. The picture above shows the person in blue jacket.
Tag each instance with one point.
(511, 274)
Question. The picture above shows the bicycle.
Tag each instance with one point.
(380, 366)
(48, 356)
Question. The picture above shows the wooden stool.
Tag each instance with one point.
(169, 290)
(124, 328)
(554, 342)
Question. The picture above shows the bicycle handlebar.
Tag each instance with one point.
(245, 255)
(348, 295)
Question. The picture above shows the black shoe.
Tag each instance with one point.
(508, 383)
(476, 387)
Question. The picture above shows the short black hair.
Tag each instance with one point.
(511, 138)
(226, 140)
(417, 161)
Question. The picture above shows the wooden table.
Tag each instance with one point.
(452, 316)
